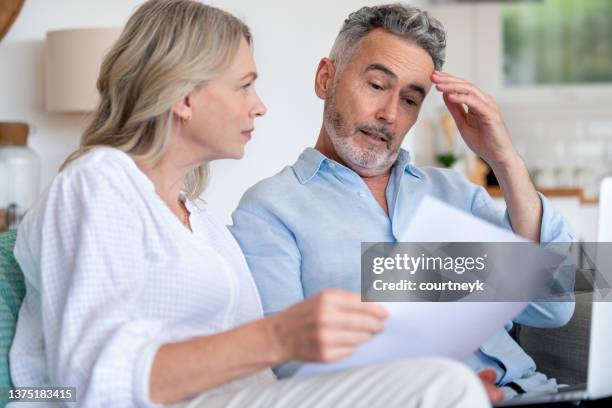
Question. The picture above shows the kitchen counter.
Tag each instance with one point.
(495, 192)
(581, 212)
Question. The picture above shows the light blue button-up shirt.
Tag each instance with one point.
(301, 232)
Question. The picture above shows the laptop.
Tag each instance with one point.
(599, 372)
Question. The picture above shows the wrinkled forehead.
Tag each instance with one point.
(382, 45)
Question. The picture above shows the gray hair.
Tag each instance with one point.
(403, 20)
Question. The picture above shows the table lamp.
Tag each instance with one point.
(72, 64)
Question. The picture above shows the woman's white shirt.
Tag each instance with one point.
(111, 275)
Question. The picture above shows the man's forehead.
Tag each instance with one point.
(380, 44)
(393, 56)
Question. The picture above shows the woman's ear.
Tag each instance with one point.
(324, 78)
(183, 109)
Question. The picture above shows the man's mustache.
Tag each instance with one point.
(380, 130)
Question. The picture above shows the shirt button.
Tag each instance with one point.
(332, 165)
(361, 194)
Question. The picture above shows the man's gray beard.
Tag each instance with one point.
(369, 158)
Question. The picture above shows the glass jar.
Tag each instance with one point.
(19, 182)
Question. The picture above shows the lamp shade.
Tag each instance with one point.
(72, 64)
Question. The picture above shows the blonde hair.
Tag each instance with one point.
(167, 48)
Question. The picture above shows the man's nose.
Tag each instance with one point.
(388, 111)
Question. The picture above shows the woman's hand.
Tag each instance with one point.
(326, 327)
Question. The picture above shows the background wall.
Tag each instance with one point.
(290, 38)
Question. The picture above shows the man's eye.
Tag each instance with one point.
(376, 86)
(247, 86)
(410, 102)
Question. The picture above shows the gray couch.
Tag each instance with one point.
(561, 353)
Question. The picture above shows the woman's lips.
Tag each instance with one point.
(248, 133)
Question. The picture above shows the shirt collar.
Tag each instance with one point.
(403, 162)
(309, 163)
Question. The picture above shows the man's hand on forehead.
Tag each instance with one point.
(478, 118)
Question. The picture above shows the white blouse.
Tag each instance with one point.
(111, 275)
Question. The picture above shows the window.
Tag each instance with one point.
(557, 42)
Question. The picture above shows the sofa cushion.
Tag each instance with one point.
(12, 291)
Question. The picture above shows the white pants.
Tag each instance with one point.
(422, 383)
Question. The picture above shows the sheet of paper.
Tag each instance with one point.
(436, 221)
(420, 329)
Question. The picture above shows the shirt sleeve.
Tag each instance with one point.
(91, 272)
(555, 234)
(272, 254)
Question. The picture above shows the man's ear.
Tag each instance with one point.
(182, 109)
(324, 78)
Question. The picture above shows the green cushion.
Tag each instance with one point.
(12, 291)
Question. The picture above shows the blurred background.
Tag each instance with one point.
(548, 63)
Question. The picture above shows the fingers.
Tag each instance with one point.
(333, 343)
(488, 378)
(344, 310)
(495, 394)
(357, 322)
(474, 103)
(343, 322)
(335, 353)
(488, 375)
(342, 338)
(462, 91)
(456, 110)
(351, 302)
(329, 326)
(462, 88)
(439, 76)
(365, 309)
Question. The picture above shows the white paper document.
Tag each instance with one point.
(420, 329)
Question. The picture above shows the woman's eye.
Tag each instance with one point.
(410, 101)
(247, 86)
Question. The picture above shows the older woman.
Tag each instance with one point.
(138, 297)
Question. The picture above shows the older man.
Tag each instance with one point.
(301, 229)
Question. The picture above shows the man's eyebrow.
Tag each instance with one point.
(252, 74)
(417, 88)
(393, 75)
(380, 67)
